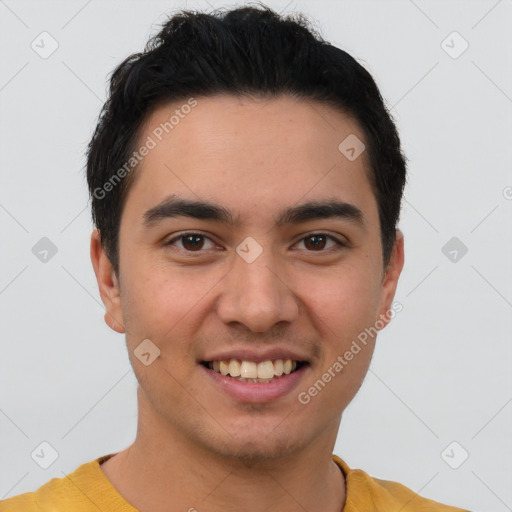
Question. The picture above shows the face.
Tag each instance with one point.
(284, 262)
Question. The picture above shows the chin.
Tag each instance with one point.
(259, 445)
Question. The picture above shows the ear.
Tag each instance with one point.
(390, 279)
(107, 283)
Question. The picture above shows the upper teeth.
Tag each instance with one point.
(252, 370)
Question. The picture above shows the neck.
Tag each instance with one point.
(165, 471)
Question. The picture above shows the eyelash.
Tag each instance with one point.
(339, 243)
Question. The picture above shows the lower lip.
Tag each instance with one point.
(254, 392)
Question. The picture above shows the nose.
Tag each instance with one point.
(257, 295)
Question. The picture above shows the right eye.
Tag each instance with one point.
(190, 242)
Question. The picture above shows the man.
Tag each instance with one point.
(246, 182)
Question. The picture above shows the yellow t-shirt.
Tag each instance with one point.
(87, 489)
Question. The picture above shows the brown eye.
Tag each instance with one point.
(317, 242)
(191, 242)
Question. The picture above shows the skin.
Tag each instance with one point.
(197, 447)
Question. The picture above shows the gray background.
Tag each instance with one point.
(442, 368)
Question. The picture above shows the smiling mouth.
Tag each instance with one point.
(257, 373)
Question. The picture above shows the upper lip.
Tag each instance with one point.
(258, 356)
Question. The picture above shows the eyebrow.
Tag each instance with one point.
(173, 206)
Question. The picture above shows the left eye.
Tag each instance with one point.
(317, 241)
(194, 242)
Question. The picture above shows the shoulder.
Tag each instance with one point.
(78, 491)
(366, 493)
(22, 503)
(56, 495)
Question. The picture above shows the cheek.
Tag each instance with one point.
(158, 300)
(346, 299)
(344, 309)
(157, 307)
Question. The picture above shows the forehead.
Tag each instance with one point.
(260, 151)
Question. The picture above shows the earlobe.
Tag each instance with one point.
(391, 276)
(113, 323)
(108, 284)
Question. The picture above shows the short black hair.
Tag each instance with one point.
(246, 51)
